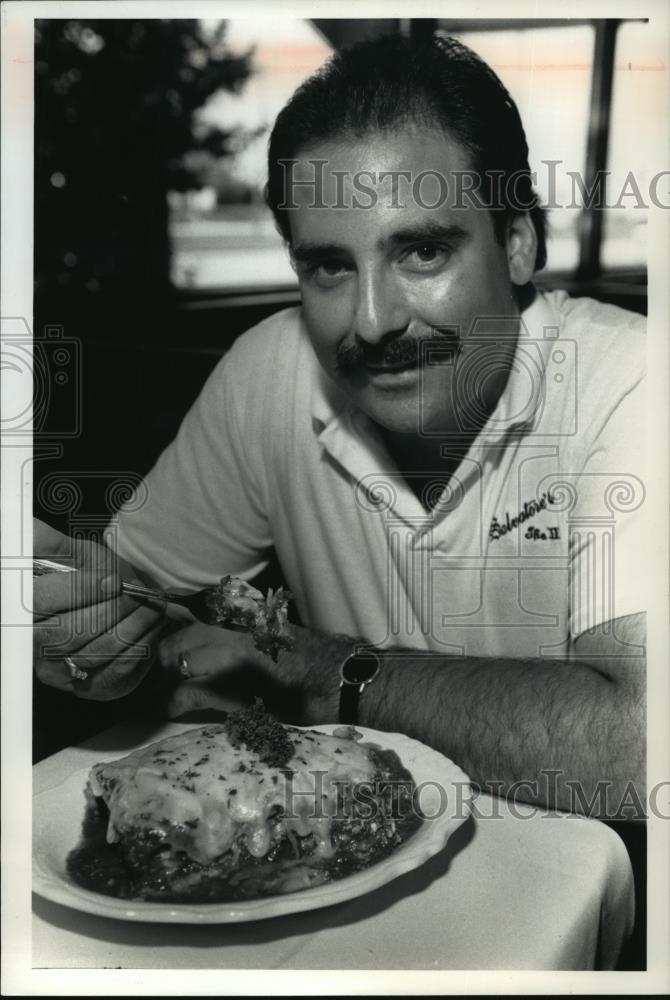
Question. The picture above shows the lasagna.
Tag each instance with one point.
(241, 810)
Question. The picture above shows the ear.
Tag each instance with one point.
(521, 244)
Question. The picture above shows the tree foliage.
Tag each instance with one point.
(116, 127)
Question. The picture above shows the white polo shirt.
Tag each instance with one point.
(539, 535)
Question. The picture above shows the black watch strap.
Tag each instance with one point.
(349, 697)
(358, 670)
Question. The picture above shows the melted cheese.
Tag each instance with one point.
(208, 797)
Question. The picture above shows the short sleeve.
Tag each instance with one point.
(610, 551)
(201, 511)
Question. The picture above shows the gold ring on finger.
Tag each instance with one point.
(184, 668)
(76, 673)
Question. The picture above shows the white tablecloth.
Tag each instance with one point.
(515, 888)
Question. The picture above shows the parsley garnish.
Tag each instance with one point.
(261, 733)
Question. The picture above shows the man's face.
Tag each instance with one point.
(377, 281)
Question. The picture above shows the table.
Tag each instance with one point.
(516, 888)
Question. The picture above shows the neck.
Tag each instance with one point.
(426, 462)
(419, 454)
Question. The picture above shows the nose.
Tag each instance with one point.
(380, 309)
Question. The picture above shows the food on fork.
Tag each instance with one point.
(232, 603)
(235, 602)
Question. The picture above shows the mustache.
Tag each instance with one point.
(400, 351)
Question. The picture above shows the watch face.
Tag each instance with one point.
(360, 668)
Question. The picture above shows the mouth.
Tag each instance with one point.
(392, 367)
(391, 359)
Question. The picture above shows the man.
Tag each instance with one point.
(446, 462)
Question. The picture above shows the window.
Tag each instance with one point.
(223, 236)
(591, 96)
(636, 121)
(548, 72)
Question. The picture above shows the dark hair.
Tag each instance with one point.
(380, 84)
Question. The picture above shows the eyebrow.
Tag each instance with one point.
(455, 235)
(316, 251)
(428, 231)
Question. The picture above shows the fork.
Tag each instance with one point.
(200, 604)
(267, 621)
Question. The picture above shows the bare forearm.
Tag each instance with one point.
(567, 733)
(545, 731)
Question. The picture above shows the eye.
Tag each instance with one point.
(328, 273)
(425, 256)
(426, 253)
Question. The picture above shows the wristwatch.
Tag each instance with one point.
(358, 670)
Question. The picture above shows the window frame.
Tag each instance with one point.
(624, 282)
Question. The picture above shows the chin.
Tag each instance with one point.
(393, 418)
(411, 420)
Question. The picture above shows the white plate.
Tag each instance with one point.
(58, 812)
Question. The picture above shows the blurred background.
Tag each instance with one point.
(154, 249)
(151, 139)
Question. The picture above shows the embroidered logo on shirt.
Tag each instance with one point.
(530, 509)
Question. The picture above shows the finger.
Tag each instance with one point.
(120, 676)
(173, 645)
(193, 696)
(70, 632)
(59, 672)
(56, 592)
(219, 655)
(99, 633)
(54, 673)
(201, 662)
(124, 640)
(104, 682)
(49, 543)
